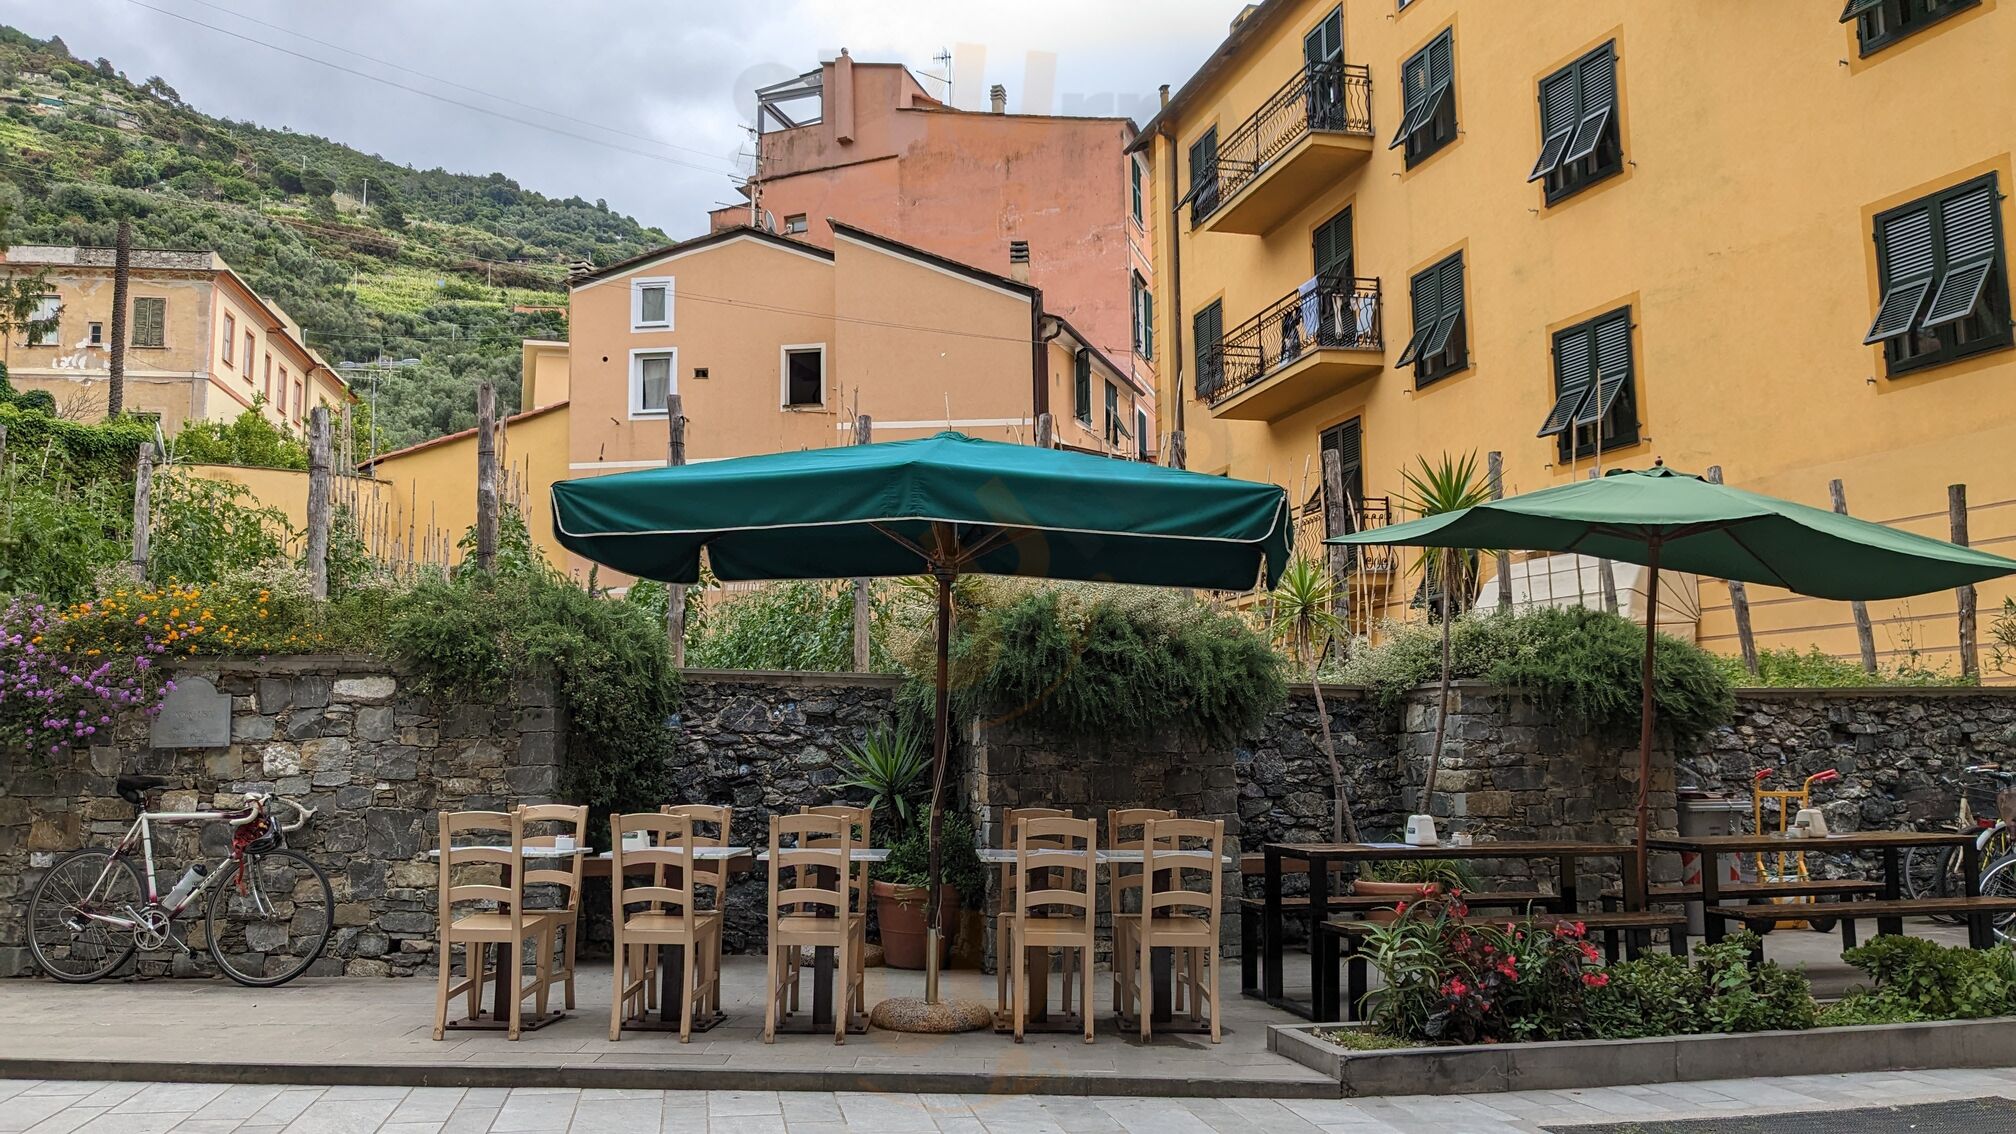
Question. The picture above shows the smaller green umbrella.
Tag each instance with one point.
(1677, 521)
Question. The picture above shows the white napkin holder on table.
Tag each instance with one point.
(1421, 831)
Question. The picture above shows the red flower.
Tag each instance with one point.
(1456, 987)
(1588, 951)
(1460, 910)
(1399, 907)
(1595, 980)
(1509, 967)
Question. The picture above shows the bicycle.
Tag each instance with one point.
(268, 916)
(1931, 872)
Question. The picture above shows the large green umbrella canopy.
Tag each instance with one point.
(944, 505)
(1677, 521)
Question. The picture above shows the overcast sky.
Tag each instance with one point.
(670, 79)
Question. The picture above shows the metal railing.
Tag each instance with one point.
(1338, 312)
(1332, 97)
(1311, 526)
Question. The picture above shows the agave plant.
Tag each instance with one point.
(891, 764)
(1302, 612)
(1451, 484)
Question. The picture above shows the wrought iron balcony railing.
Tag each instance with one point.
(1311, 526)
(1339, 312)
(1333, 97)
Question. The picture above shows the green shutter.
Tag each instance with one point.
(1968, 244)
(1857, 7)
(1596, 78)
(1148, 325)
(1207, 330)
(150, 321)
(1425, 300)
(1204, 159)
(1907, 263)
(1081, 386)
(1560, 111)
(1333, 245)
(1448, 277)
(1135, 178)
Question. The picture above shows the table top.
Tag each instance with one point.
(1002, 856)
(1509, 848)
(1842, 841)
(703, 854)
(527, 852)
(857, 854)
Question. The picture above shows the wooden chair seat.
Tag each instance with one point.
(638, 926)
(494, 927)
(811, 926)
(1052, 929)
(507, 926)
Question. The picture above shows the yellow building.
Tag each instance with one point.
(1764, 236)
(201, 344)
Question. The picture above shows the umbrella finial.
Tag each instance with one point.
(1658, 462)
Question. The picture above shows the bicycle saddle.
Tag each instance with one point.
(133, 789)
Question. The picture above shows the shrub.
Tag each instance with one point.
(1746, 997)
(803, 624)
(1788, 668)
(248, 439)
(1918, 979)
(57, 532)
(1655, 995)
(909, 862)
(1449, 982)
(183, 618)
(204, 528)
(52, 696)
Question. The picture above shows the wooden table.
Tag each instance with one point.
(508, 965)
(672, 987)
(1323, 1003)
(1889, 845)
(823, 958)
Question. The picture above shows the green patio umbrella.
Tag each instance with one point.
(1677, 521)
(942, 506)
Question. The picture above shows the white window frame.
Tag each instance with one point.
(637, 288)
(784, 376)
(801, 222)
(636, 400)
(54, 335)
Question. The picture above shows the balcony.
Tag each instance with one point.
(1303, 348)
(1310, 133)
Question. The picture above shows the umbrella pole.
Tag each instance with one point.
(1645, 711)
(932, 935)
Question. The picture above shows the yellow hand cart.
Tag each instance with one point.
(1786, 865)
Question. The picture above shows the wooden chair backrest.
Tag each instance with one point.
(509, 896)
(1183, 865)
(1060, 854)
(816, 851)
(572, 821)
(1125, 831)
(669, 855)
(860, 820)
(704, 816)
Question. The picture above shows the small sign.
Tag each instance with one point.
(195, 715)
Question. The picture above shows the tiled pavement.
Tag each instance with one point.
(157, 1108)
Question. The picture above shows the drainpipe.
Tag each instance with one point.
(1039, 359)
(1178, 448)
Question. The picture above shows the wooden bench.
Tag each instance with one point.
(1800, 888)
(1888, 912)
(1635, 927)
(1252, 913)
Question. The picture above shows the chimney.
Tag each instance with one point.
(1165, 94)
(579, 268)
(1018, 261)
(998, 96)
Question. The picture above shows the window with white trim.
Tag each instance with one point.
(651, 381)
(1144, 318)
(651, 304)
(803, 376)
(230, 340)
(42, 325)
(794, 224)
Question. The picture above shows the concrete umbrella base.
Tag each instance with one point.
(912, 1014)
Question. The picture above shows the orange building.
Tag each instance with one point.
(201, 344)
(865, 143)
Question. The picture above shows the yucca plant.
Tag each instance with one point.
(890, 764)
(1302, 612)
(1451, 484)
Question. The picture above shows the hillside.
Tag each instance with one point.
(431, 269)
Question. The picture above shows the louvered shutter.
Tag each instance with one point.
(1967, 237)
(1857, 7)
(150, 322)
(1081, 392)
(1413, 91)
(1904, 243)
(1425, 299)
(1441, 74)
(1449, 284)
(1560, 100)
(1207, 329)
(1571, 379)
(1596, 75)
(1333, 245)
(1147, 325)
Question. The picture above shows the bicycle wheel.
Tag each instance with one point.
(66, 944)
(1999, 881)
(269, 917)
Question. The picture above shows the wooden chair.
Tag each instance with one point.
(861, 820)
(1184, 886)
(1062, 916)
(562, 872)
(711, 826)
(507, 926)
(671, 916)
(1004, 903)
(1124, 833)
(811, 908)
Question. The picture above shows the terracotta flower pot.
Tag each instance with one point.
(900, 912)
(1399, 891)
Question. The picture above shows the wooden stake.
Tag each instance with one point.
(864, 434)
(1864, 634)
(1046, 431)
(486, 478)
(1956, 519)
(1337, 520)
(675, 597)
(143, 499)
(1494, 470)
(1178, 451)
(318, 502)
(1739, 602)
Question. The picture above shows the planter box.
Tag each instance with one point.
(1669, 1059)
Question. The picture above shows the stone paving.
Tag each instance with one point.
(60, 1107)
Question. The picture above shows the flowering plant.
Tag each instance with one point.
(51, 697)
(182, 618)
(1451, 980)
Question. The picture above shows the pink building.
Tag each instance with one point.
(865, 144)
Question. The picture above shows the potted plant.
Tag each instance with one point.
(902, 887)
(891, 765)
(1409, 880)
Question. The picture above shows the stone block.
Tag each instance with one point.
(253, 727)
(406, 921)
(374, 722)
(392, 832)
(366, 690)
(540, 749)
(394, 764)
(414, 736)
(274, 694)
(367, 968)
(353, 913)
(302, 725)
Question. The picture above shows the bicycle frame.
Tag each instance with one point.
(142, 834)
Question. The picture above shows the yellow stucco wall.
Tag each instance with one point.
(1759, 146)
(431, 487)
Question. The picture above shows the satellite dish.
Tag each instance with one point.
(769, 221)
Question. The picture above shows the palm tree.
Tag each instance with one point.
(1302, 612)
(1450, 485)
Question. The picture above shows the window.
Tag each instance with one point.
(1438, 348)
(1348, 442)
(804, 376)
(1081, 387)
(1143, 432)
(230, 338)
(651, 304)
(282, 407)
(43, 329)
(1207, 330)
(150, 321)
(1135, 178)
(1331, 247)
(794, 224)
(1324, 45)
(250, 346)
(1593, 396)
(300, 402)
(269, 377)
(1144, 318)
(1425, 81)
(1204, 176)
(1116, 427)
(1880, 23)
(651, 381)
(1945, 278)
(97, 334)
(1579, 139)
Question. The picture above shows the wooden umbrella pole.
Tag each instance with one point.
(944, 574)
(1645, 711)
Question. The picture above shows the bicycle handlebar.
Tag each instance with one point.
(302, 813)
(263, 801)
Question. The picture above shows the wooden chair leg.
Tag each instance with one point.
(1085, 989)
(508, 984)
(1019, 987)
(441, 990)
(542, 972)
(476, 962)
(691, 977)
(770, 963)
(573, 931)
(1211, 957)
(619, 998)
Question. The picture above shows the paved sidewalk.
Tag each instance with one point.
(157, 1108)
